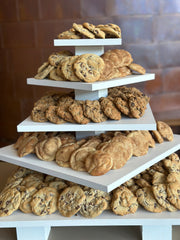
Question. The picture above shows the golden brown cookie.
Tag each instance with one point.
(109, 109)
(98, 163)
(88, 67)
(26, 197)
(146, 199)
(160, 194)
(83, 31)
(93, 111)
(76, 109)
(54, 76)
(67, 68)
(44, 201)
(119, 57)
(157, 136)
(70, 201)
(44, 72)
(78, 158)
(137, 68)
(69, 34)
(64, 153)
(140, 144)
(9, 201)
(173, 190)
(38, 113)
(123, 201)
(96, 31)
(111, 30)
(27, 146)
(122, 105)
(165, 130)
(52, 116)
(46, 149)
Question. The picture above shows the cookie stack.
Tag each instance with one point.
(41, 194)
(89, 30)
(64, 66)
(58, 108)
(157, 188)
(96, 155)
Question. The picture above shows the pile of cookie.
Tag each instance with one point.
(57, 108)
(64, 66)
(41, 194)
(156, 190)
(89, 30)
(95, 155)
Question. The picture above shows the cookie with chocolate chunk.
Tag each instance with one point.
(93, 111)
(88, 67)
(70, 201)
(83, 31)
(109, 108)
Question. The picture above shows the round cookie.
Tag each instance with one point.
(38, 113)
(93, 207)
(165, 130)
(93, 111)
(111, 30)
(173, 192)
(44, 201)
(123, 201)
(46, 149)
(96, 31)
(69, 34)
(138, 68)
(109, 109)
(27, 146)
(85, 32)
(122, 105)
(26, 197)
(44, 72)
(120, 148)
(64, 153)
(140, 144)
(146, 199)
(137, 106)
(76, 109)
(54, 76)
(67, 69)
(9, 201)
(70, 201)
(157, 136)
(78, 158)
(161, 197)
(88, 67)
(98, 163)
(52, 116)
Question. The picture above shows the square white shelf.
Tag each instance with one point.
(107, 218)
(106, 182)
(99, 85)
(88, 42)
(146, 122)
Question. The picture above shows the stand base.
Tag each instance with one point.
(35, 233)
(156, 232)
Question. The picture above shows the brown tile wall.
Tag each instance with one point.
(150, 31)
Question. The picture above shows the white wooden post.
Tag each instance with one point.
(156, 232)
(98, 50)
(35, 233)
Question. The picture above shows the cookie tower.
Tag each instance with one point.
(91, 91)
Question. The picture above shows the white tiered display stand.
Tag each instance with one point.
(154, 226)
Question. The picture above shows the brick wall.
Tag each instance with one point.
(150, 31)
